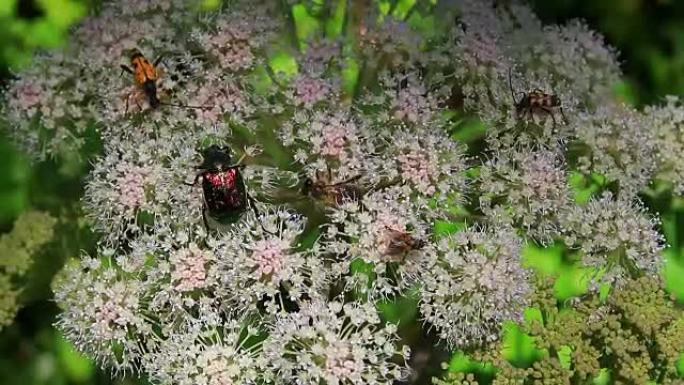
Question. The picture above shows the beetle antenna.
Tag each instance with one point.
(186, 106)
(510, 85)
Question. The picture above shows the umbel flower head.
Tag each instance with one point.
(205, 353)
(476, 283)
(385, 232)
(258, 194)
(528, 189)
(105, 315)
(261, 260)
(335, 343)
(615, 235)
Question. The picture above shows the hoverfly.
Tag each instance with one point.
(535, 102)
(332, 194)
(400, 243)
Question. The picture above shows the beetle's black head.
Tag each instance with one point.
(133, 53)
(307, 186)
(216, 158)
(419, 243)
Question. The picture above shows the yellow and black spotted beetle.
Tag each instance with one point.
(535, 102)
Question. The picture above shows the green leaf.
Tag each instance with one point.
(674, 271)
(533, 314)
(573, 282)
(546, 260)
(43, 33)
(473, 172)
(350, 75)
(335, 23)
(468, 130)
(306, 25)
(603, 377)
(604, 291)
(584, 188)
(423, 24)
(76, 366)
(309, 238)
(359, 266)
(7, 8)
(63, 13)
(210, 5)
(444, 228)
(283, 63)
(626, 92)
(401, 310)
(565, 356)
(384, 6)
(670, 228)
(402, 9)
(260, 80)
(461, 363)
(518, 348)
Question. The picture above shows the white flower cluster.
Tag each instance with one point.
(476, 283)
(253, 216)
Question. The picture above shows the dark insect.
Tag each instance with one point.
(400, 243)
(332, 194)
(535, 102)
(224, 189)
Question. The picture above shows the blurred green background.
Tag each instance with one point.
(648, 33)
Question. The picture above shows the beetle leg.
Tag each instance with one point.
(158, 60)
(565, 119)
(156, 129)
(127, 69)
(550, 113)
(239, 164)
(350, 180)
(204, 216)
(194, 182)
(523, 114)
(126, 110)
(137, 101)
(252, 205)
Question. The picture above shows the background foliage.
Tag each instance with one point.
(649, 34)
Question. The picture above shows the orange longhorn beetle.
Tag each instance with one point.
(146, 76)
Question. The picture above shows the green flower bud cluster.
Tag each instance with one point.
(32, 230)
(636, 335)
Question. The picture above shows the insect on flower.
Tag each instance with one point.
(400, 243)
(146, 76)
(223, 187)
(535, 102)
(332, 194)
